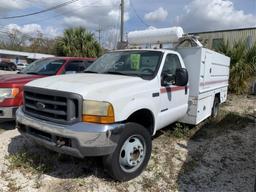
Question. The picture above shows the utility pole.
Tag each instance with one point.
(122, 22)
(99, 31)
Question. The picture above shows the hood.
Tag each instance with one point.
(90, 86)
(17, 78)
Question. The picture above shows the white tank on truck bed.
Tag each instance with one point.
(155, 36)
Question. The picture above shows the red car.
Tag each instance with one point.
(11, 85)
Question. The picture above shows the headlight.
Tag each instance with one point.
(8, 93)
(98, 112)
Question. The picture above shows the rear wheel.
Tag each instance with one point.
(131, 155)
(215, 107)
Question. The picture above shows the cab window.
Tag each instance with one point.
(172, 63)
(76, 66)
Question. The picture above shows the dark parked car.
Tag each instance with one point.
(9, 66)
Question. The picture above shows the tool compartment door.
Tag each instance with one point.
(216, 70)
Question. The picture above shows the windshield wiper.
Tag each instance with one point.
(115, 73)
(90, 72)
(120, 73)
(32, 73)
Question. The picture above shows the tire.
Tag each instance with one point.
(131, 155)
(215, 107)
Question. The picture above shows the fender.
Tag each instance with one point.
(136, 105)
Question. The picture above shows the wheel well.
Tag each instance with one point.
(143, 117)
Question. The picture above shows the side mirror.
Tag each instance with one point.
(181, 77)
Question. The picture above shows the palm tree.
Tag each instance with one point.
(78, 42)
(242, 66)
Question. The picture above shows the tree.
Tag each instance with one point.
(41, 44)
(14, 40)
(78, 42)
(242, 65)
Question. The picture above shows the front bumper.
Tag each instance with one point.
(79, 139)
(7, 113)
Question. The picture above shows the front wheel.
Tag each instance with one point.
(132, 153)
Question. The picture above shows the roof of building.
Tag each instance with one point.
(25, 54)
(226, 30)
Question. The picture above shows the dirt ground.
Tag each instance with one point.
(218, 155)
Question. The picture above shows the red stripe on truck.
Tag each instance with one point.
(171, 89)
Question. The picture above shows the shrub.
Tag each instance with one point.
(242, 66)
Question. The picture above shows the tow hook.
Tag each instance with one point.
(60, 143)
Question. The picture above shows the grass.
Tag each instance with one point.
(12, 186)
(26, 160)
(181, 130)
(29, 162)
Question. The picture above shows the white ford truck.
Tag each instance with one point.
(118, 104)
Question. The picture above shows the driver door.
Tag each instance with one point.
(173, 99)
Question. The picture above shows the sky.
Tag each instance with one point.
(191, 15)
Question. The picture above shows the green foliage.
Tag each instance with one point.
(27, 161)
(78, 42)
(41, 44)
(180, 130)
(242, 66)
(75, 42)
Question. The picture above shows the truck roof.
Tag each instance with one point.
(144, 49)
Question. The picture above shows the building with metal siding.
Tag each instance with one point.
(211, 39)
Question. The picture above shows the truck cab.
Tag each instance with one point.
(118, 104)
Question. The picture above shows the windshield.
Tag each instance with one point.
(44, 67)
(131, 63)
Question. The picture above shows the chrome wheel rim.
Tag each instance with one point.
(132, 153)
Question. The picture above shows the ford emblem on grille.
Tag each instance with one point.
(40, 106)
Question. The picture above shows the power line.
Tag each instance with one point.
(42, 11)
(6, 31)
(61, 14)
(69, 12)
(137, 15)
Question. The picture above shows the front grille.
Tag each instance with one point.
(51, 105)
